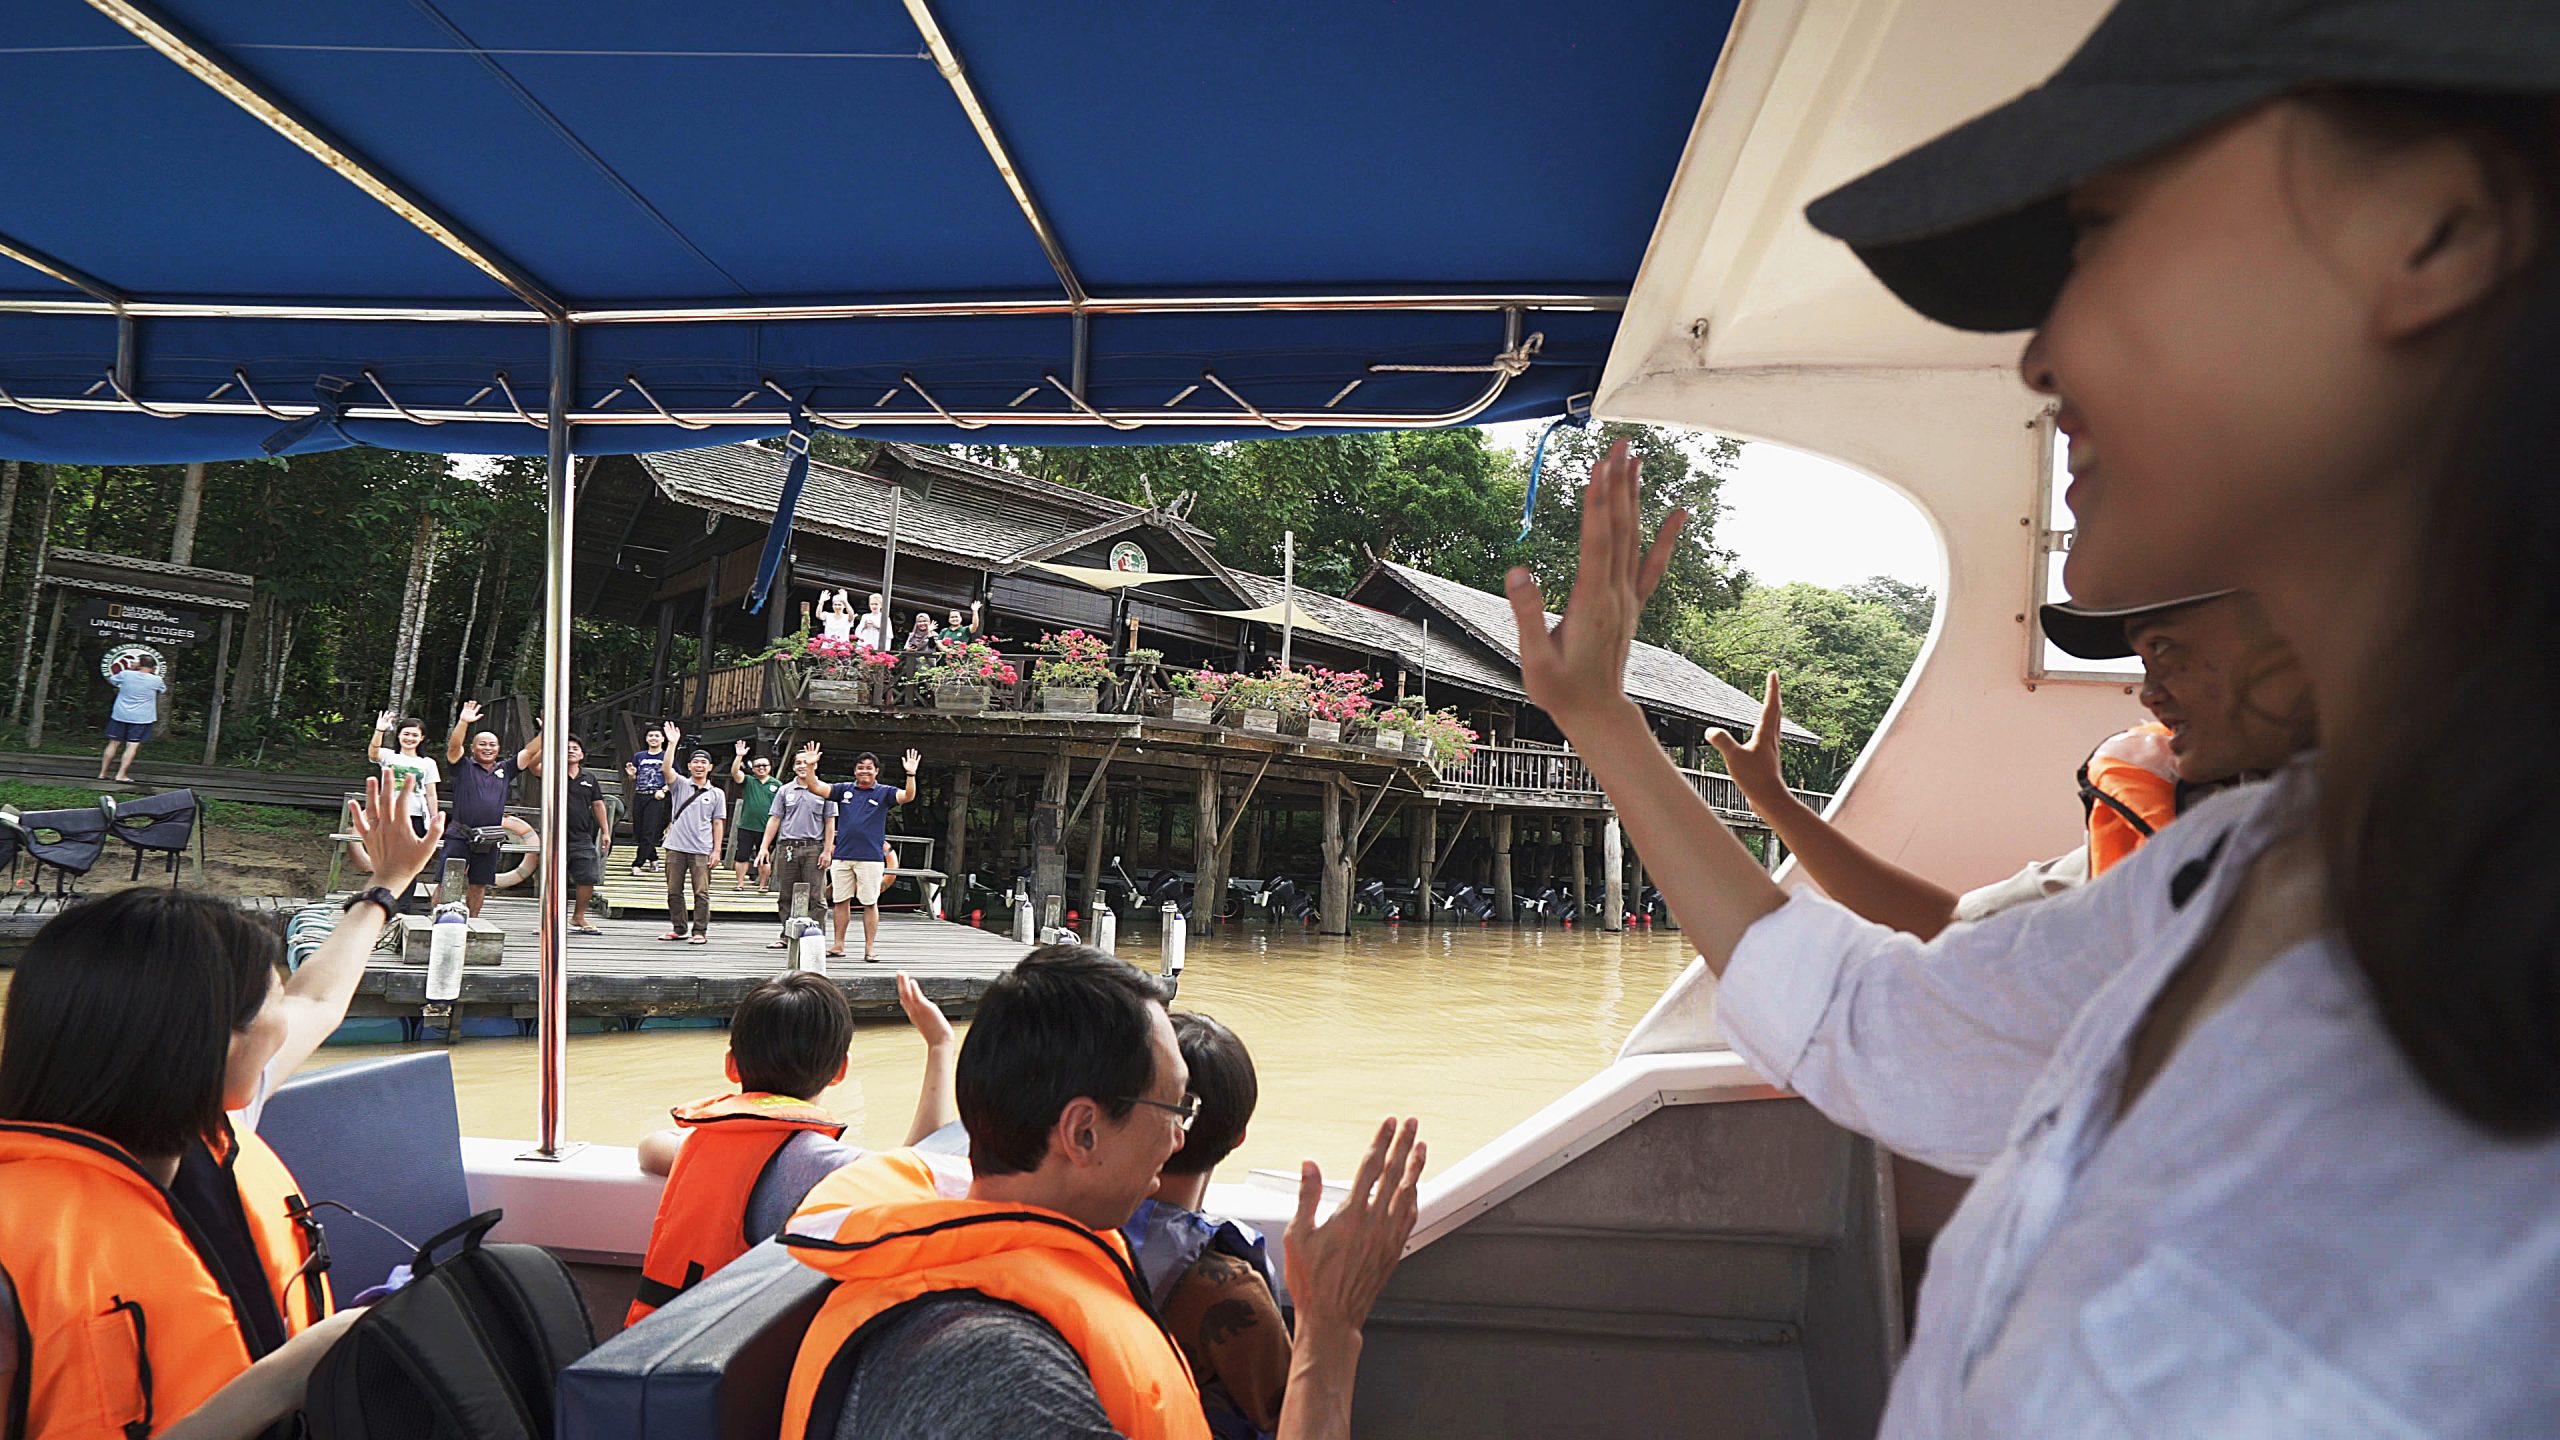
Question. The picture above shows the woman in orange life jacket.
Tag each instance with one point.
(738, 1164)
(157, 1263)
(2228, 700)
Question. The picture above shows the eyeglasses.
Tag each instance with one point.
(1183, 1114)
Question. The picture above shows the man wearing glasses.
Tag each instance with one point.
(1006, 1303)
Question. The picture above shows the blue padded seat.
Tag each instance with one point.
(381, 1137)
(712, 1364)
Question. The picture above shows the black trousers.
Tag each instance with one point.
(649, 826)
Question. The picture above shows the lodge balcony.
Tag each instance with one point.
(779, 702)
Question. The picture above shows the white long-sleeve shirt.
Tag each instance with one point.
(2287, 1235)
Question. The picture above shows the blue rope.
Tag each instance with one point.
(778, 539)
(1538, 462)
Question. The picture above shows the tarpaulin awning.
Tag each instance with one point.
(374, 220)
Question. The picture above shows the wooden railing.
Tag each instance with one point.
(1554, 772)
(735, 693)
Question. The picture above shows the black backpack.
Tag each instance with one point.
(470, 1349)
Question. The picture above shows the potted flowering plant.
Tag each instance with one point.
(1197, 694)
(842, 674)
(1439, 736)
(1335, 699)
(1262, 702)
(1073, 669)
(963, 674)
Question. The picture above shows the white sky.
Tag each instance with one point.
(1790, 516)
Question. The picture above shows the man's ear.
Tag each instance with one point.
(2457, 233)
(842, 1067)
(729, 1062)
(1078, 1133)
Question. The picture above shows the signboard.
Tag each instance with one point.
(123, 620)
(1128, 559)
(130, 657)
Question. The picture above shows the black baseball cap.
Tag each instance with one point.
(2094, 634)
(1970, 228)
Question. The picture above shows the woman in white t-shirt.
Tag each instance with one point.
(409, 736)
(835, 614)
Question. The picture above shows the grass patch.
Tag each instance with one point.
(282, 820)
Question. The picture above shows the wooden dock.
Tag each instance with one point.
(629, 974)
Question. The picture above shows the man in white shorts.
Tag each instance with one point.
(858, 840)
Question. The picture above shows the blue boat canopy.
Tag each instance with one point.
(309, 223)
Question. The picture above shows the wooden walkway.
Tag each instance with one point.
(212, 782)
(629, 973)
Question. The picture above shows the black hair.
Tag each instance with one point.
(406, 722)
(148, 662)
(121, 1016)
(1222, 1076)
(867, 755)
(2441, 875)
(791, 1034)
(1068, 1022)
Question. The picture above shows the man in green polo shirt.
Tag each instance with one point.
(755, 803)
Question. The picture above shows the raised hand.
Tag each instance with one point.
(742, 749)
(1335, 1270)
(380, 824)
(1578, 669)
(1753, 764)
(387, 719)
(675, 734)
(810, 751)
(923, 1014)
(470, 711)
(912, 760)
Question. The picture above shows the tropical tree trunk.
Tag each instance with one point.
(471, 617)
(27, 624)
(528, 652)
(413, 607)
(279, 663)
(8, 511)
(182, 546)
(489, 640)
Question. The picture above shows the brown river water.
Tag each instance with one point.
(1472, 1029)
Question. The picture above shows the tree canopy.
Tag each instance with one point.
(1840, 659)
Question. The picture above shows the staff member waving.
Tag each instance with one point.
(157, 1263)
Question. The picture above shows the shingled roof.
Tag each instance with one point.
(1448, 656)
(1661, 678)
(989, 521)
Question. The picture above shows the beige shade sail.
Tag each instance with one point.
(1102, 579)
(1292, 614)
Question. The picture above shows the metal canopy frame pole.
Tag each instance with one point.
(552, 993)
(158, 32)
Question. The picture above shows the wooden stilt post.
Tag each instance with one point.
(1333, 896)
(1635, 884)
(1049, 841)
(1097, 823)
(1000, 846)
(1574, 830)
(1613, 876)
(1254, 826)
(1209, 876)
(1504, 907)
(1424, 859)
(955, 847)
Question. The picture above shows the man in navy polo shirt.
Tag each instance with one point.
(479, 788)
(860, 840)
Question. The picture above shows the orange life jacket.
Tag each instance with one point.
(2127, 804)
(883, 1227)
(702, 1214)
(126, 1328)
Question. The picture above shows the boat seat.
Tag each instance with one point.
(381, 1137)
(711, 1364)
(164, 822)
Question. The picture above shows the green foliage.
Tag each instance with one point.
(1840, 660)
(1914, 605)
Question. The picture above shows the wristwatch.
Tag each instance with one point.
(389, 902)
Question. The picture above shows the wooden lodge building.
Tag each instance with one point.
(673, 539)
